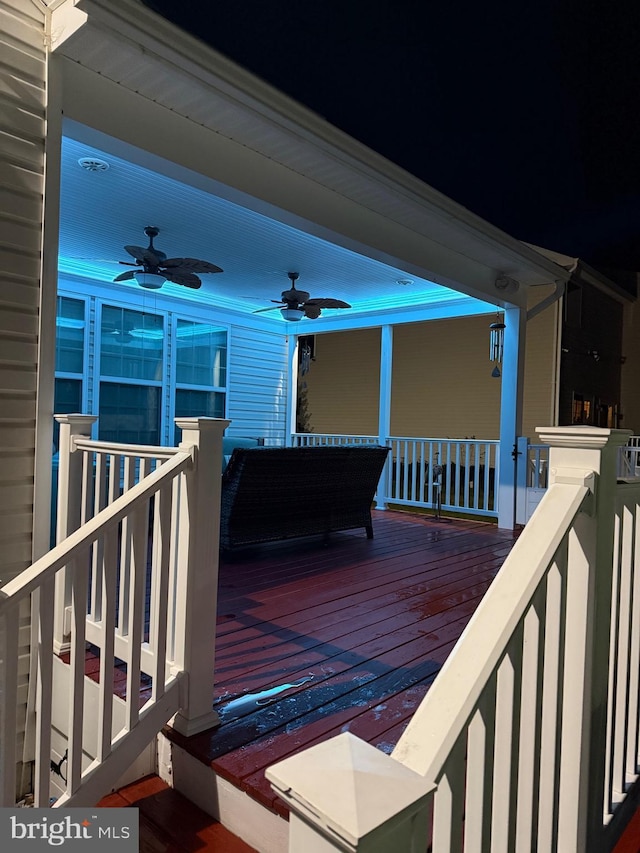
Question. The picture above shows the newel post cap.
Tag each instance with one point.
(583, 437)
(348, 789)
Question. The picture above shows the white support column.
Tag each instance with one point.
(68, 511)
(197, 580)
(510, 412)
(292, 387)
(575, 453)
(384, 410)
(346, 795)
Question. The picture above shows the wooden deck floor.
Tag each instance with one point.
(315, 640)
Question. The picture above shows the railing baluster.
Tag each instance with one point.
(160, 588)
(9, 627)
(530, 718)
(479, 763)
(136, 611)
(448, 812)
(105, 707)
(44, 603)
(632, 758)
(79, 590)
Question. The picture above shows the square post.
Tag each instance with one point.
(197, 571)
(586, 455)
(510, 412)
(68, 514)
(346, 795)
(384, 409)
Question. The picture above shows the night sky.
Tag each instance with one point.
(527, 113)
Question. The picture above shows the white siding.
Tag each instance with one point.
(22, 145)
(257, 397)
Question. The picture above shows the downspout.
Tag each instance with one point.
(557, 294)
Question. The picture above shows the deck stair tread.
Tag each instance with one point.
(169, 823)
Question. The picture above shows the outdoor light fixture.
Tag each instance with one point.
(292, 313)
(150, 280)
(496, 343)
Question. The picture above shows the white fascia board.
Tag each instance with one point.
(128, 21)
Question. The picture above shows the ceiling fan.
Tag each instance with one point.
(158, 268)
(296, 304)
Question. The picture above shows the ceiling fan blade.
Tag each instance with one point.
(271, 308)
(327, 302)
(124, 276)
(143, 256)
(311, 311)
(187, 279)
(191, 265)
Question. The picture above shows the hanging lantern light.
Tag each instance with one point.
(496, 343)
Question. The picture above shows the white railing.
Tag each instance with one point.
(529, 737)
(455, 475)
(137, 578)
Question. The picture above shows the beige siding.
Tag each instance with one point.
(343, 383)
(442, 382)
(630, 394)
(22, 144)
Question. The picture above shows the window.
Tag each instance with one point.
(201, 363)
(70, 346)
(70, 327)
(67, 399)
(202, 354)
(129, 413)
(146, 368)
(132, 344)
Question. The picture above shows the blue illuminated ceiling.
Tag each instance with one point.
(101, 211)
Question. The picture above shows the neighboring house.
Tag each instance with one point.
(442, 375)
(235, 173)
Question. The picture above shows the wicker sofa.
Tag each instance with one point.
(275, 493)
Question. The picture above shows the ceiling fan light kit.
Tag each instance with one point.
(149, 280)
(292, 313)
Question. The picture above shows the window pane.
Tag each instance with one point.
(67, 399)
(132, 344)
(69, 335)
(197, 404)
(129, 413)
(202, 354)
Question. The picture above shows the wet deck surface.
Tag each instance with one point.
(314, 641)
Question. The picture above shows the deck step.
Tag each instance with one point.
(169, 823)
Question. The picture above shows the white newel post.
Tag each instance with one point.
(346, 795)
(576, 452)
(197, 571)
(68, 513)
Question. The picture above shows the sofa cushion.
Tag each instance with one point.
(229, 444)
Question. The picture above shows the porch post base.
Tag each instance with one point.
(189, 727)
